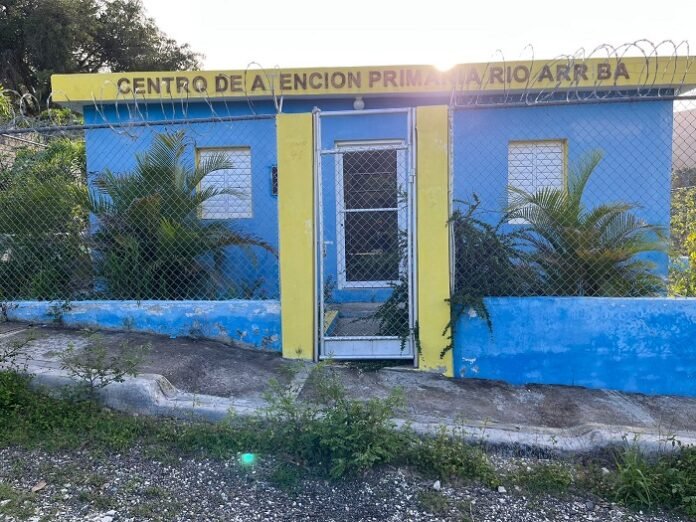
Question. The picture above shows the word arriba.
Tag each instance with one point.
(519, 75)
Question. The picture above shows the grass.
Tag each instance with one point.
(667, 481)
(433, 501)
(20, 505)
(338, 438)
(544, 478)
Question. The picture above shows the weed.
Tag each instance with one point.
(20, 506)
(97, 500)
(95, 367)
(58, 310)
(447, 455)
(340, 435)
(668, 480)
(545, 478)
(5, 308)
(433, 501)
(286, 476)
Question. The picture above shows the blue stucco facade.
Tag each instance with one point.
(635, 140)
(641, 345)
(248, 323)
(480, 138)
(630, 344)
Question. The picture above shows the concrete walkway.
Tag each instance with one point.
(182, 377)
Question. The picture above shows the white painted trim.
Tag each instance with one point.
(402, 210)
(365, 348)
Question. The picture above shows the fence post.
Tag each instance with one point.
(433, 248)
(296, 233)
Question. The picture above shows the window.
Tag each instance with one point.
(236, 179)
(274, 180)
(535, 165)
(370, 217)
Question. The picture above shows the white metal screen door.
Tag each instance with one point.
(365, 249)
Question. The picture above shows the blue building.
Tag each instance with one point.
(351, 175)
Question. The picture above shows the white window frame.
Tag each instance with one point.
(230, 212)
(563, 143)
(402, 215)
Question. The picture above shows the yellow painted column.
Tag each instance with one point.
(296, 233)
(432, 215)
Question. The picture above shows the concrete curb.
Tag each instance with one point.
(154, 395)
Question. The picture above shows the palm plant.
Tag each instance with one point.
(151, 241)
(586, 252)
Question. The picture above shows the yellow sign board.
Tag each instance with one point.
(520, 76)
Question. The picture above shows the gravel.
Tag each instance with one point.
(134, 486)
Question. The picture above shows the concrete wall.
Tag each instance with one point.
(251, 323)
(645, 345)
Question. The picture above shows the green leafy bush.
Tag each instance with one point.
(682, 273)
(487, 263)
(582, 251)
(447, 455)
(668, 480)
(96, 367)
(544, 478)
(338, 435)
(151, 242)
(43, 217)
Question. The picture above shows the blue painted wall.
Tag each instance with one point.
(635, 138)
(645, 345)
(116, 149)
(250, 323)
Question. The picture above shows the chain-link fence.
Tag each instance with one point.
(165, 211)
(574, 198)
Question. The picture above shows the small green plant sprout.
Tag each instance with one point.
(544, 478)
(5, 308)
(95, 366)
(58, 310)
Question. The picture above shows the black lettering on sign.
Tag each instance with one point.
(221, 83)
(123, 85)
(182, 84)
(545, 74)
(603, 71)
(139, 85)
(200, 84)
(338, 80)
(473, 76)
(300, 81)
(167, 81)
(354, 79)
(496, 75)
(579, 71)
(562, 73)
(258, 83)
(520, 73)
(154, 85)
(236, 83)
(314, 80)
(621, 71)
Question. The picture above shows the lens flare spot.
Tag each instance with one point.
(247, 459)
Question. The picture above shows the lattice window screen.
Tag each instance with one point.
(238, 179)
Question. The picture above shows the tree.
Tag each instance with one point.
(43, 215)
(151, 242)
(587, 252)
(41, 37)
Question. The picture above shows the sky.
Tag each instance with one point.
(307, 33)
